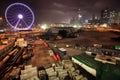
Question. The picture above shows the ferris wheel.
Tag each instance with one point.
(19, 16)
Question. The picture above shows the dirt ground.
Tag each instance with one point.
(88, 38)
(41, 56)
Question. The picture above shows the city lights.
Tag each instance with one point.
(104, 25)
(44, 26)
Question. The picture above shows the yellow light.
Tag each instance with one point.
(1, 18)
(104, 25)
(75, 26)
(44, 26)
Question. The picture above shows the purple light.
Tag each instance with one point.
(24, 19)
(20, 16)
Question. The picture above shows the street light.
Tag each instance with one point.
(1, 19)
(44, 26)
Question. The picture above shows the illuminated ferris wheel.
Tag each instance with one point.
(19, 16)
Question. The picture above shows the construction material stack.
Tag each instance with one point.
(30, 73)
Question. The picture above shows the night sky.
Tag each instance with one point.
(56, 11)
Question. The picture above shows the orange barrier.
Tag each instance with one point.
(56, 57)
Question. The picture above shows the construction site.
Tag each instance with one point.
(62, 58)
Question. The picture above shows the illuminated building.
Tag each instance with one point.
(117, 18)
(76, 20)
(108, 16)
(94, 20)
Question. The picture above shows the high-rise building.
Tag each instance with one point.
(76, 20)
(94, 20)
(79, 14)
(117, 18)
(108, 16)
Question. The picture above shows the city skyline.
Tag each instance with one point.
(62, 10)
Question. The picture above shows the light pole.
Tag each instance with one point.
(1, 19)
